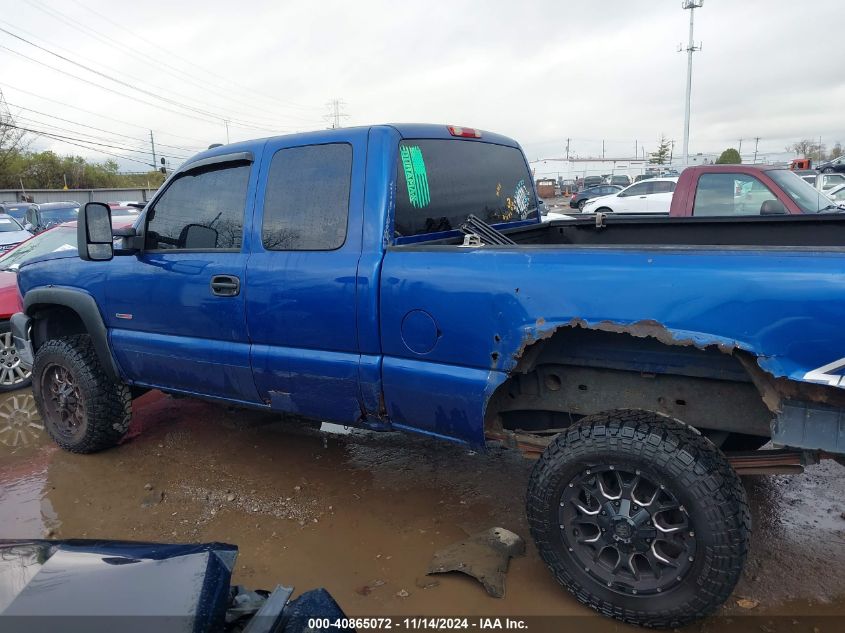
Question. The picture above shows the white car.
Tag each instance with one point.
(653, 195)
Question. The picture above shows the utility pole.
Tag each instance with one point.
(602, 149)
(691, 5)
(740, 148)
(672, 151)
(226, 123)
(636, 153)
(567, 148)
(153, 145)
(756, 142)
(820, 149)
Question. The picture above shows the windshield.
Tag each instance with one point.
(17, 212)
(8, 225)
(808, 198)
(59, 214)
(441, 182)
(62, 238)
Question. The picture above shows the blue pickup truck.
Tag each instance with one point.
(398, 277)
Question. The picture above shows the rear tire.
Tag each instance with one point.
(604, 210)
(829, 170)
(660, 561)
(83, 410)
(582, 204)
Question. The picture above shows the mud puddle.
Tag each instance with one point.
(361, 513)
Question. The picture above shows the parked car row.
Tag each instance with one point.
(722, 190)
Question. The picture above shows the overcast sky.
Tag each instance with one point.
(539, 71)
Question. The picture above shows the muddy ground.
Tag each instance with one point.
(362, 513)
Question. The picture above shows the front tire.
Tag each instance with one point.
(582, 204)
(640, 517)
(83, 410)
(604, 210)
(829, 170)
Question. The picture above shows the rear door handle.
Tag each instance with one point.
(225, 285)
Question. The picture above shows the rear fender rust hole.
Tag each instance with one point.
(681, 403)
(494, 356)
(553, 382)
(582, 387)
(497, 338)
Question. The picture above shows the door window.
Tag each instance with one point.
(730, 194)
(201, 210)
(663, 186)
(640, 189)
(306, 206)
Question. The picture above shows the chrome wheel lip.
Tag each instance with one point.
(11, 371)
(636, 540)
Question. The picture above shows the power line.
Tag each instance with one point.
(285, 103)
(99, 129)
(102, 116)
(159, 64)
(95, 139)
(229, 96)
(64, 140)
(71, 138)
(174, 102)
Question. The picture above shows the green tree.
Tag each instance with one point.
(661, 156)
(835, 152)
(729, 157)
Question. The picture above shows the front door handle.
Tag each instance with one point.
(225, 285)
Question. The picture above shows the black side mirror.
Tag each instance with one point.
(93, 232)
(773, 207)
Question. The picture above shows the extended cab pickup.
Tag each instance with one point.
(326, 274)
(719, 191)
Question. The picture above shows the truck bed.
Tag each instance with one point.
(826, 230)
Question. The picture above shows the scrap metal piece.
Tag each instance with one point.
(484, 556)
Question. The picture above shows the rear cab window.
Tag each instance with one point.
(442, 181)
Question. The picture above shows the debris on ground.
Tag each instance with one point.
(747, 603)
(483, 556)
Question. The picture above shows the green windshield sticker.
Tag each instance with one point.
(416, 177)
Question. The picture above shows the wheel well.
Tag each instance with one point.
(54, 321)
(577, 372)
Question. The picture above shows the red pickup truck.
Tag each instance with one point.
(742, 190)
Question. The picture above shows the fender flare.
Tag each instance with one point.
(86, 307)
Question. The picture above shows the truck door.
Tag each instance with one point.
(301, 304)
(176, 310)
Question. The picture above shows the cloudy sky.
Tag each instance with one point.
(540, 71)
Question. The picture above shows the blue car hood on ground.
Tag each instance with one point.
(90, 586)
(14, 237)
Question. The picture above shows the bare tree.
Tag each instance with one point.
(13, 141)
(807, 148)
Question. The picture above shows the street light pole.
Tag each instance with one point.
(692, 5)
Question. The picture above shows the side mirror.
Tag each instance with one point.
(773, 207)
(198, 236)
(93, 232)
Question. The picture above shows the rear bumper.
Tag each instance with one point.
(811, 426)
(21, 329)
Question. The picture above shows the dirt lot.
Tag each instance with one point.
(361, 513)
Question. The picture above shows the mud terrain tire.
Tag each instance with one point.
(83, 410)
(688, 473)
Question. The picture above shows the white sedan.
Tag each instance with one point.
(647, 196)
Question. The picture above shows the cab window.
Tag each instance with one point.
(733, 194)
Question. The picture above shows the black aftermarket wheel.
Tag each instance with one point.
(83, 410)
(640, 518)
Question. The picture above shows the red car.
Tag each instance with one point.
(58, 238)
